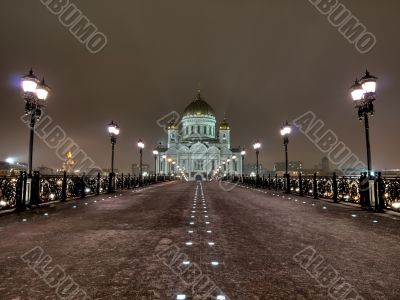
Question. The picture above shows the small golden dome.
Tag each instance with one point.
(224, 125)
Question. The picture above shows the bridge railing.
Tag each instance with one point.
(17, 192)
(343, 188)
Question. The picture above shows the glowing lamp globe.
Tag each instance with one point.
(357, 91)
(29, 82)
(368, 83)
(42, 90)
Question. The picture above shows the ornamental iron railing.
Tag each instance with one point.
(17, 192)
(345, 188)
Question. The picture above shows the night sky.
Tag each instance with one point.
(261, 62)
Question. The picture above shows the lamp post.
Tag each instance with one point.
(173, 168)
(113, 130)
(35, 93)
(363, 93)
(169, 166)
(243, 154)
(285, 132)
(228, 166)
(141, 146)
(234, 157)
(155, 153)
(257, 146)
(165, 163)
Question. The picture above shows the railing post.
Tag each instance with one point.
(315, 186)
(269, 181)
(263, 182)
(335, 188)
(287, 183)
(276, 182)
(24, 190)
(110, 183)
(64, 188)
(98, 184)
(301, 193)
(35, 189)
(19, 190)
(380, 189)
(83, 187)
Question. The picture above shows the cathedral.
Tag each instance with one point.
(197, 148)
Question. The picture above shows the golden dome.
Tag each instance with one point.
(199, 108)
(224, 125)
(172, 125)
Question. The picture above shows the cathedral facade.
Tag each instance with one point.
(197, 148)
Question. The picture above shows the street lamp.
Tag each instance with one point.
(234, 167)
(141, 146)
(243, 154)
(169, 166)
(285, 132)
(257, 147)
(228, 166)
(173, 167)
(35, 93)
(164, 157)
(155, 153)
(363, 93)
(113, 130)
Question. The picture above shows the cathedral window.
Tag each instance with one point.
(205, 129)
(198, 164)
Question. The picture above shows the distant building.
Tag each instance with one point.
(7, 169)
(136, 169)
(251, 169)
(391, 173)
(198, 145)
(68, 164)
(45, 170)
(294, 168)
(106, 172)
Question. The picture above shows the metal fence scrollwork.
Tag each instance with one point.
(343, 188)
(15, 190)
